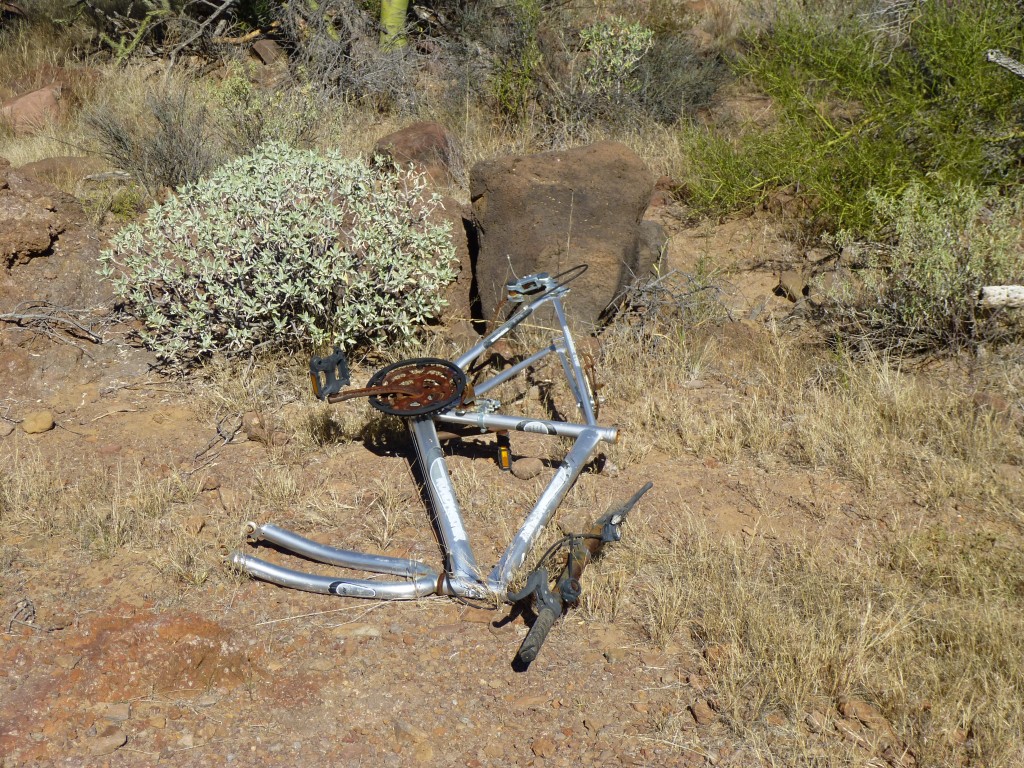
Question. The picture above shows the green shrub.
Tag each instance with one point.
(923, 289)
(284, 247)
(611, 51)
(861, 108)
(515, 79)
(251, 116)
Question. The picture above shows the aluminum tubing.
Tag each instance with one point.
(577, 376)
(345, 558)
(497, 422)
(463, 572)
(329, 585)
(509, 373)
(514, 556)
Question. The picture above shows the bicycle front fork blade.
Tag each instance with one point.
(421, 580)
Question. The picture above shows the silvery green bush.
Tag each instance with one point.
(285, 247)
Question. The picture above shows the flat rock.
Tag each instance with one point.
(106, 744)
(526, 469)
(37, 422)
(408, 733)
(544, 747)
(702, 712)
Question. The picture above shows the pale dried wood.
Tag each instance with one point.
(996, 296)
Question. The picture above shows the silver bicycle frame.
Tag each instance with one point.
(462, 576)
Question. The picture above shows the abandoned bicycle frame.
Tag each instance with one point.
(462, 576)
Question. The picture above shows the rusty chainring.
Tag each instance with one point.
(412, 387)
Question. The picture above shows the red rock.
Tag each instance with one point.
(29, 113)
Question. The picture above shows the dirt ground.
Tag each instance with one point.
(154, 653)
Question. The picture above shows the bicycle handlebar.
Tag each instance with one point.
(537, 635)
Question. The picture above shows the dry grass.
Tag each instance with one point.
(926, 627)
(872, 420)
(103, 510)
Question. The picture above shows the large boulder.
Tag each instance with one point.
(48, 251)
(64, 171)
(426, 145)
(548, 212)
(32, 112)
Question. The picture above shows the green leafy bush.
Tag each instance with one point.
(861, 107)
(611, 52)
(251, 116)
(923, 288)
(284, 247)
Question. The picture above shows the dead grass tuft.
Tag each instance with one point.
(926, 628)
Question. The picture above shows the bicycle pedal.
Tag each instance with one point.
(329, 374)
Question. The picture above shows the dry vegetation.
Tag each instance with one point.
(916, 608)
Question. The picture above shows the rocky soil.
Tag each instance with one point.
(155, 653)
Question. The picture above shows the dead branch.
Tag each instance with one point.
(996, 296)
(32, 318)
(202, 28)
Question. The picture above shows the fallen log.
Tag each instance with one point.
(996, 296)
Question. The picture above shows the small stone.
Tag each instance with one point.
(474, 616)
(116, 712)
(702, 712)
(494, 750)
(529, 702)
(407, 733)
(37, 422)
(614, 655)
(230, 500)
(106, 744)
(269, 52)
(526, 469)
(356, 630)
(792, 285)
(815, 721)
(594, 723)
(775, 720)
(67, 660)
(716, 655)
(544, 747)
(194, 524)
(322, 664)
(159, 722)
(423, 753)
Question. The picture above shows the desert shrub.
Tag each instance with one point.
(864, 109)
(676, 79)
(165, 143)
(250, 116)
(515, 80)
(284, 247)
(612, 50)
(335, 47)
(943, 247)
